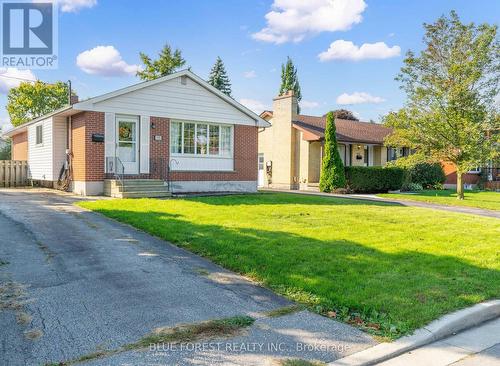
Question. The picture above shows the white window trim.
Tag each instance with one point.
(39, 144)
(207, 155)
(475, 171)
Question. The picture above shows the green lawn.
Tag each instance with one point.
(387, 268)
(480, 199)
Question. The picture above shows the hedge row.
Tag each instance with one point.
(374, 179)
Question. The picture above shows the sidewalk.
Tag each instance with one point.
(374, 198)
(476, 346)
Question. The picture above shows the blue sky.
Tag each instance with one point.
(253, 45)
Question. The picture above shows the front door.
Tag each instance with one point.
(127, 128)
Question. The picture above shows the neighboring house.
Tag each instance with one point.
(206, 139)
(488, 175)
(291, 150)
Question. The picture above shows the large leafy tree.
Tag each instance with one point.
(218, 77)
(290, 80)
(332, 168)
(34, 99)
(345, 114)
(168, 62)
(450, 112)
(5, 151)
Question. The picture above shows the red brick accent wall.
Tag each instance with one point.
(20, 146)
(88, 156)
(158, 150)
(451, 175)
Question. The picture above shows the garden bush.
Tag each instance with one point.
(374, 179)
(419, 170)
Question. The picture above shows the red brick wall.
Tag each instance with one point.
(20, 146)
(451, 175)
(88, 156)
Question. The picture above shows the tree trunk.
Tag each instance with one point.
(460, 185)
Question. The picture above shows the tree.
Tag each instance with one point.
(332, 168)
(289, 80)
(5, 152)
(34, 99)
(345, 114)
(166, 64)
(218, 77)
(451, 86)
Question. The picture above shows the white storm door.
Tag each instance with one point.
(127, 131)
(261, 174)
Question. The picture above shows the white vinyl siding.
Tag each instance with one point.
(172, 99)
(40, 156)
(59, 144)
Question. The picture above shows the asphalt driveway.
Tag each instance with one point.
(73, 282)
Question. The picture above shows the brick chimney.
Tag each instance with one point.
(73, 99)
(284, 141)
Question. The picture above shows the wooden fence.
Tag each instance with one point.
(13, 173)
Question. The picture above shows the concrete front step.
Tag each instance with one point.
(142, 194)
(136, 188)
(156, 187)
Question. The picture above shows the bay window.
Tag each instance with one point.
(201, 139)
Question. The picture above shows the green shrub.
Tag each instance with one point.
(374, 179)
(420, 170)
(427, 174)
(332, 169)
(411, 187)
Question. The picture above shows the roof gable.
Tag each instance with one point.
(182, 95)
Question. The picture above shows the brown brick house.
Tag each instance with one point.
(290, 151)
(177, 128)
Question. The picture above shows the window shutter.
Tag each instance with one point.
(109, 135)
(144, 146)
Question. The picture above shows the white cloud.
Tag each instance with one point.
(12, 77)
(306, 104)
(106, 61)
(4, 124)
(254, 105)
(293, 20)
(73, 6)
(250, 74)
(359, 98)
(346, 50)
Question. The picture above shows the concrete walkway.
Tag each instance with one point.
(73, 282)
(374, 198)
(476, 346)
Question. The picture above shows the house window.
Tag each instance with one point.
(176, 140)
(189, 138)
(214, 138)
(39, 134)
(200, 139)
(475, 171)
(392, 153)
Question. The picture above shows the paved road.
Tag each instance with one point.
(73, 282)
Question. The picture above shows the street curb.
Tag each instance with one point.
(438, 329)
